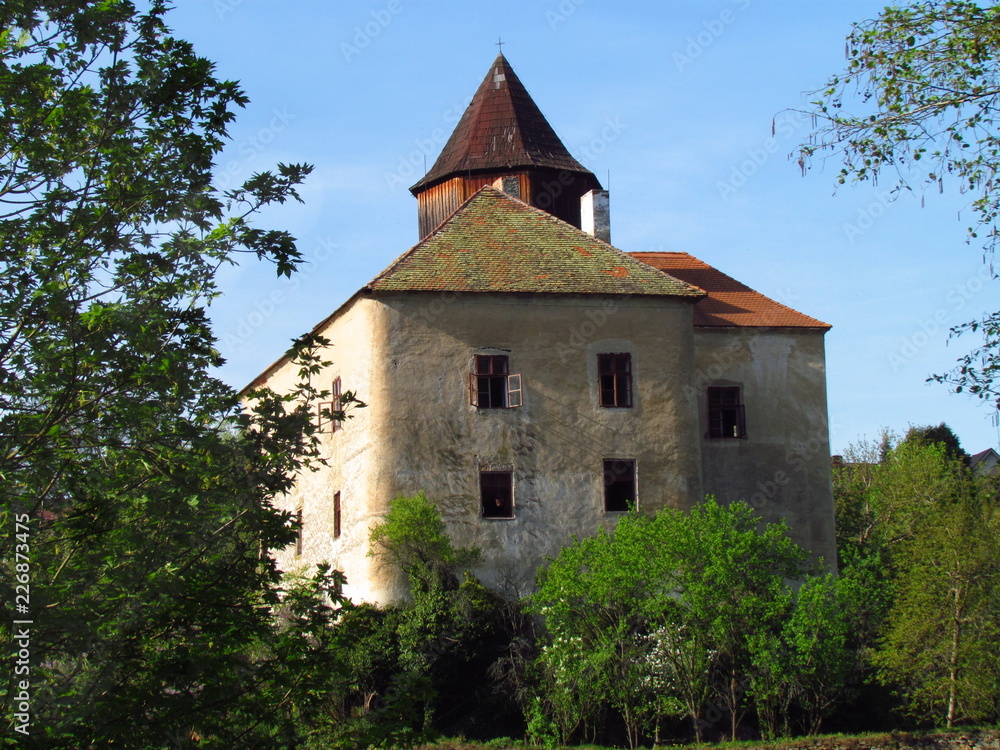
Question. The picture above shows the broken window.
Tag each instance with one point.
(327, 410)
(335, 393)
(496, 490)
(619, 485)
(298, 533)
(615, 373)
(726, 414)
(491, 386)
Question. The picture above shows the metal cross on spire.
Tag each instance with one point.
(500, 44)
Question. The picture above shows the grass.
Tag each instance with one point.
(882, 740)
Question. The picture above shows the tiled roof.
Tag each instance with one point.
(496, 243)
(729, 303)
(977, 458)
(501, 128)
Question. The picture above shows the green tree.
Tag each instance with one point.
(923, 574)
(942, 644)
(941, 435)
(446, 637)
(412, 537)
(918, 102)
(881, 491)
(146, 489)
(596, 597)
(663, 611)
(818, 633)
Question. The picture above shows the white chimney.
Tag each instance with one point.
(595, 215)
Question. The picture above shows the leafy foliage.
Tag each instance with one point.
(942, 643)
(443, 642)
(941, 435)
(676, 613)
(147, 487)
(412, 537)
(924, 575)
(924, 78)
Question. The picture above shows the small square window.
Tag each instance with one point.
(619, 485)
(726, 413)
(615, 373)
(496, 490)
(492, 386)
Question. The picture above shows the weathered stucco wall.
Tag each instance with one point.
(782, 466)
(556, 442)
(409, 357)
(351, 453)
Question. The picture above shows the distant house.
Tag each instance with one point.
(985, 462)
(537, 382)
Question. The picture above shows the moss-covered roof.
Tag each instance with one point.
(496, 243)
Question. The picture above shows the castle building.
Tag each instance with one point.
(536, 383)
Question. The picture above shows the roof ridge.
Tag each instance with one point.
(497, 243)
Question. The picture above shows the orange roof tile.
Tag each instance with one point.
(729, 303)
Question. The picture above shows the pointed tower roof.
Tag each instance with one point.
(496, 243)
(502, 128)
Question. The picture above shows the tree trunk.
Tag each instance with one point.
(734, 718)
(956, 633)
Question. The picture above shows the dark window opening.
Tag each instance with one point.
(337, 406)
(328, 410)
(491, 386)
(336, 515)
(726, 413)
(496, 490)
(491, 381)
(298, 533)
(615, 373)
(619, 485)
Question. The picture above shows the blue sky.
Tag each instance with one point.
(671, 104)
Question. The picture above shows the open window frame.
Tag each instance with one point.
(492, 386)
(727, 417)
